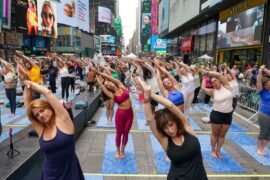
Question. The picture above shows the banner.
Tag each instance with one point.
(47, 18)
(146, 30)
(67, 12)
(83, 15)
(187, 44)
(154, 17)
(104, 15)
(5, 13)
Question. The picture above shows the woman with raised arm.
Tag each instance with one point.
(176, 137)
(233, 84)
(10, 84)
(221, 115)
(170, 87)
(263, 86)
(188, 86)
(56, 134)
(114, 89)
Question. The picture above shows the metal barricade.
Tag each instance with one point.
(249, 98)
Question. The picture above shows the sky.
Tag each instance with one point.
(127, 11)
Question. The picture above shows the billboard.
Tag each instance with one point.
(158, 44)
(146, 29)
(92, 20)
(118, 27)
(47, 18)
(107, 39)
(104, 15)
(154, 17)
(67, 13)
(243, 29)
(164, 16)
(5, 13)
(83, 15)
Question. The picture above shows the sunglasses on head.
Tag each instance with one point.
(47, 15)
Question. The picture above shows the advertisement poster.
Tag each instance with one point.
(83, 15)
(67, 13)
(47, 18)
(164, 16)
(5, 13)
(154, 17)
(92, 20)
(244, 29)
(158, 44)
(146, 29)
(104, 15)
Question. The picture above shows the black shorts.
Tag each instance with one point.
(221, 118)
(153, 102)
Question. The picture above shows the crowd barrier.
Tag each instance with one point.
(249, 98)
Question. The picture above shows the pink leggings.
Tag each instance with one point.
(123, 123)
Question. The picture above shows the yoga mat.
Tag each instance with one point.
(249, 144)
(5, 135)
(24, 121)
(111, 165)
(236, 128)
(196, 109)
(194, 125)
(160, 157)
(225, 165)
(93, 177)
(207, 108)
(140, 117)
(102, 122)
(5, 119)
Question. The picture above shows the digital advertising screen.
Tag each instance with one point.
(47, 18)
(164, 16)
(107, 39)
(146, 31)
(83, 15)
(244, 29)
(5, 13)
(104, 15)
(158, 44)
(67, 14)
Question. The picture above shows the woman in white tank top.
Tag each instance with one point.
(221, 115)
(188, 86)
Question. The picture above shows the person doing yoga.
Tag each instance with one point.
(114, 89)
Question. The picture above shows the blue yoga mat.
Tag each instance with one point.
(140, 117)
(102, 122)
(236, 128)
(207, 108)
(160, 157)
(93, 177)
(194, 125)
(5, 119)
(249, 144)
(5, 135)
(24, 121)
(225, 165)
(111, 165)
(196, 109)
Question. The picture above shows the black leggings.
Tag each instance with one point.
(196, 93)
(11, 95)
(72, 83)
(53, 85)
(65, 82)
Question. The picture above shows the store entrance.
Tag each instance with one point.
(240, 57)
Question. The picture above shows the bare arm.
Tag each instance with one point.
(208, 91)
(116, 81)
(222, 78)
(104, 89)
(171, 78)
(259, 84)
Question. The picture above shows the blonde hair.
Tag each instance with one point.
(38, 103)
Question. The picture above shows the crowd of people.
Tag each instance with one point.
(173, 84)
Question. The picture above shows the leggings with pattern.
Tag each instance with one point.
(123, 123)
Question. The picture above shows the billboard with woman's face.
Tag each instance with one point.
(47, 18)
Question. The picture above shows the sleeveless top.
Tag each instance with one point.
(188, 85)
(223, 99)
(122, 98)
(61, 162)
(176, 97)
(63, 72)
(186, 160)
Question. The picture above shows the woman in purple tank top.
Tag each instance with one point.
(56, 134)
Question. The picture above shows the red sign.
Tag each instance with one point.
(187, 44)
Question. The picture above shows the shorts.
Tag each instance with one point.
(44, 72)
(221, 118)
(153, 102)
(264, 122)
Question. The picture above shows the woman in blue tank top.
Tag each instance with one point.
(176, 137)
(170, 87)
(263, 86)
(56, 134)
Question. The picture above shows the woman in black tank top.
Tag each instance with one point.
(176, 137)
